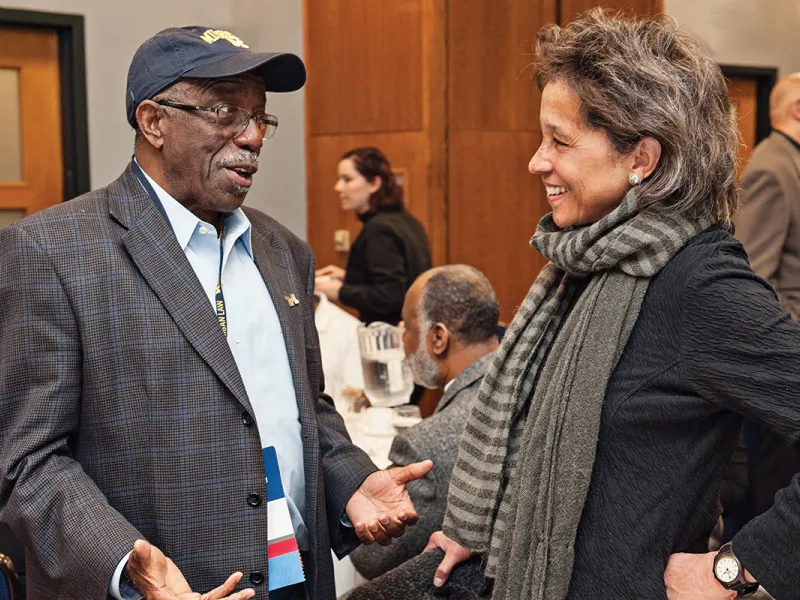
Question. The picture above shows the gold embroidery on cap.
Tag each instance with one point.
(212, 35)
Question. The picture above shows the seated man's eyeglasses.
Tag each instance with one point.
(232, 118)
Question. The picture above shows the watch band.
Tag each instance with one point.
(740, 585)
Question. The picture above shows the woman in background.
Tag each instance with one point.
(392, 248)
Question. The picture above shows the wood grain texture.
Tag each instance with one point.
(742, 94)
(34, 53)
(365, 66)
(490, 50)
(494, 209)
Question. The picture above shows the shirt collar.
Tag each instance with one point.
(184, 222)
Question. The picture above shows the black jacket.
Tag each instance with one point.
(387, 256)
(711, 345)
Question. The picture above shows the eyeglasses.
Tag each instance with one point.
(232, 118)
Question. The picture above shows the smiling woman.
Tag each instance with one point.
(590, 464)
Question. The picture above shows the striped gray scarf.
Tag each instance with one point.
(560, 350)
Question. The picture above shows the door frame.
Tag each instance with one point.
(765, 77)
(72, 73)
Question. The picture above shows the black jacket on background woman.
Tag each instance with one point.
(387, 256)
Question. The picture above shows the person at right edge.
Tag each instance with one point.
(590, 464)
(768, 226)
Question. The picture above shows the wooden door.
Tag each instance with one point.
(494, 203)
(742, 95)
(31, 165)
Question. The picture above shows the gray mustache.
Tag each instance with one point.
(244, 157)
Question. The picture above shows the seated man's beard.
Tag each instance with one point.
(424, 368)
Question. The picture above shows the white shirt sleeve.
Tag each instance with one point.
(113, 587)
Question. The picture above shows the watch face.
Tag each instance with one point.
(726, 569)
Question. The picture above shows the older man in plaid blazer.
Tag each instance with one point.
(131, 409)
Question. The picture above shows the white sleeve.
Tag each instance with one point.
(113, 587)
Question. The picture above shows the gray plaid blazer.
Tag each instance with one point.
(435, 438)
(124, 416)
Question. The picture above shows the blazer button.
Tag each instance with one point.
(247, 419)
(254, 500)
(256, 578)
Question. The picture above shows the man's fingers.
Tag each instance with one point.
(418, 470)
(363, 533)
(141, 566)
(408, 516)
(226, 588)
(392, 525)
(378, 532)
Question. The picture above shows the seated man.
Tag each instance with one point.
(450, 315)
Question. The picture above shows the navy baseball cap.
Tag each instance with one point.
(203, 52)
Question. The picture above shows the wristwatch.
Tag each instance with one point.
(730, 573)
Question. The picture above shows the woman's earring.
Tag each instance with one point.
(634, 179)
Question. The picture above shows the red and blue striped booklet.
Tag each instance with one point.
(285, 565)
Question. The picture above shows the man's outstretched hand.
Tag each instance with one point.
(381, 508)
(158, 578)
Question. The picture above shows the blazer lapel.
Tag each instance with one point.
(154, 249)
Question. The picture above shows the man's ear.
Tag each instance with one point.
(794, 110)
(439, 339)
(149, 116)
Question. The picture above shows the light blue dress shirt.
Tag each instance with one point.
(255, 339)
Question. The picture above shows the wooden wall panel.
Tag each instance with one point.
(742, 94)
(571, 8)
(495, 204)
(364, 66)
(490, 47)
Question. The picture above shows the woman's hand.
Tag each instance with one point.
(331, 271)
(329, 287)
(691, 577)
(454, 554)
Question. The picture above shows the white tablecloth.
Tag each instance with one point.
(377, 446)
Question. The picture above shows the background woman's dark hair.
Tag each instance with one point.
(372, 163)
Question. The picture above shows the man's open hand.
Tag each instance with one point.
(158, 578)
(381, 508)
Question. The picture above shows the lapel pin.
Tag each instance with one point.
(292, 300)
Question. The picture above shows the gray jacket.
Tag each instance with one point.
(768, 224)
(436, 438)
